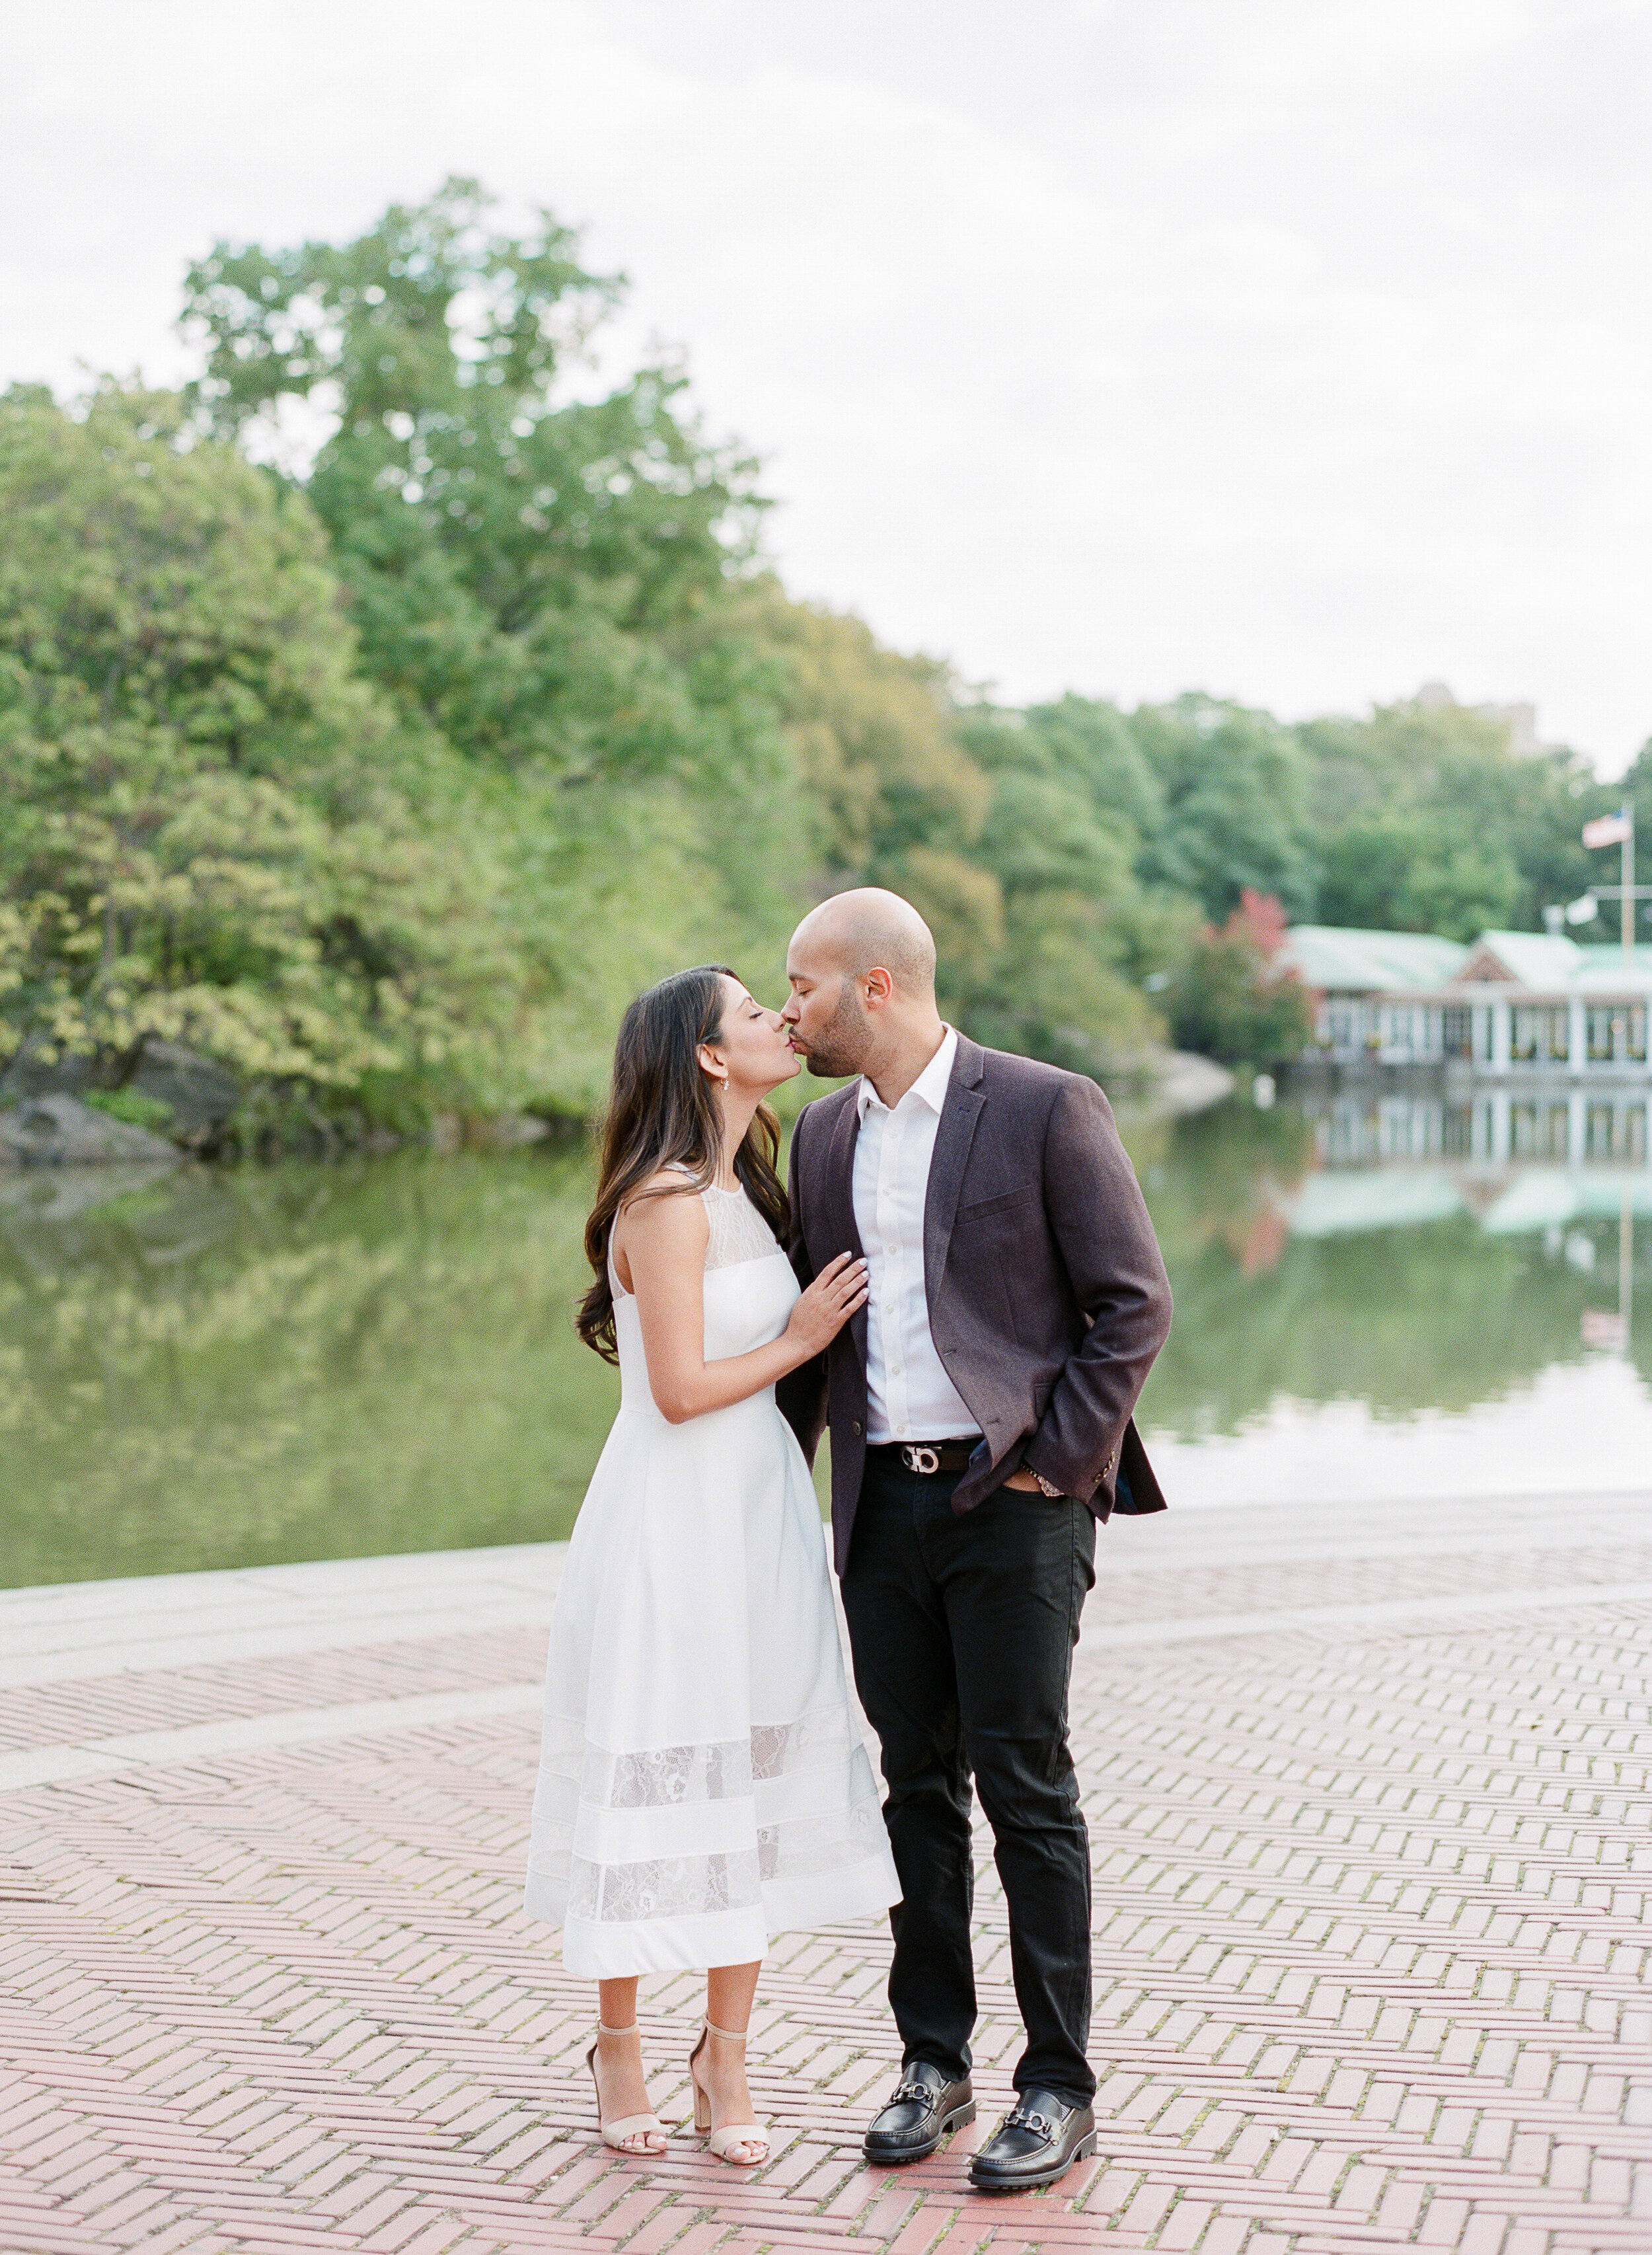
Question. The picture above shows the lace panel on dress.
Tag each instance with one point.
(668, 1777)
(676, 1886)
(689, 1886)
(738, 1234)
(738, 1231)
(849, 1831)
(805, 1846)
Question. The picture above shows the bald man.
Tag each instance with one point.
(980, 1409)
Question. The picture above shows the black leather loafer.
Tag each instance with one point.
(922, 2109)
(1036, 2143)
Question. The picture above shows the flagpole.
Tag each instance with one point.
(1618, 830)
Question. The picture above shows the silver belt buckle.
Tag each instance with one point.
(918, 1457)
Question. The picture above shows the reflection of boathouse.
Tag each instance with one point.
(1558, 1165)
(1527, 1009)
(1480, 1129)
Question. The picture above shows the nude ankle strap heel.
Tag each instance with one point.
(722, 2142)
(649, 2127)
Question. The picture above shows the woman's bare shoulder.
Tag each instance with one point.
(668, 1205)
(664, 1224)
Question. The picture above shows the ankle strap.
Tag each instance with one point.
(728, 2035)
(602, 2031)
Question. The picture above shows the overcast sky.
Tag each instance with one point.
(1297, 350)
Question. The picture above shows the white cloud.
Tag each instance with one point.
(1299, 350)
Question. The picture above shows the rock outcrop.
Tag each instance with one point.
(61, 1131)
(201, 1092)
(199, 1095)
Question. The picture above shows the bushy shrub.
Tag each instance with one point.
(1231, 1000)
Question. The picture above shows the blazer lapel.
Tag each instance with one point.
(843, 1233)
(839, 1202)
(953, 1136)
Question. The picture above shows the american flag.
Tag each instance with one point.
(1607, 830)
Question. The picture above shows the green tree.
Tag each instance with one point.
(518, 561)
(1230, 1000)
(550, 585)
(1090, 745)
(884, 792)
(1432, 822)
(203, 838)
(1236, 815)
(216, 831)
(1063, 982)
(1406, 873)
(1635, 788)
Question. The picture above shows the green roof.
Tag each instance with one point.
(1601, 969)
(1341, 958)
(1537, 958)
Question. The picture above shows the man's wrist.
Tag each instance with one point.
(1030, 1482)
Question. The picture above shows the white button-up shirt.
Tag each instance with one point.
(909, 1396)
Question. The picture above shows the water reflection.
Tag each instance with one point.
(211, 1368)
(231, 1367)
(1354, 1271)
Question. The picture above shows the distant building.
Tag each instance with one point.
(1519, 720)
(1552, 1035)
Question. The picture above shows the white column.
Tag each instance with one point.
(1499, 1040)
(1578, 1059)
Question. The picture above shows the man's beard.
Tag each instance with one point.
(841, 1049)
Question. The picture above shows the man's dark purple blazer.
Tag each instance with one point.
(1047, 1297)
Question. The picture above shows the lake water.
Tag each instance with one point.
(218, 1368)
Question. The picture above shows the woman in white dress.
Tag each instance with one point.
(702, 1782)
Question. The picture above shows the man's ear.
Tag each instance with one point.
(879, 988)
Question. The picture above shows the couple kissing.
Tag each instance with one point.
(958, 1280)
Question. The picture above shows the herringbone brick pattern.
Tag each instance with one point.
(70, 1713)
(1370, 1951)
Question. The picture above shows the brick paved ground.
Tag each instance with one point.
(1368, 1792)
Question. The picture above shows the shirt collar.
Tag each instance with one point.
(930, 1087)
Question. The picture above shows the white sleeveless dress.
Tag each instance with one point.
(702, 1782)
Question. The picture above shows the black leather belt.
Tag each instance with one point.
(935, 1455)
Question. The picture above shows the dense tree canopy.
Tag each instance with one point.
(1432, 823)
(385, 775)
(203, 835)
(218, 829)
(517, 559)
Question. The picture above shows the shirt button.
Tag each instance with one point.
(895, 1370)
(889, 1307)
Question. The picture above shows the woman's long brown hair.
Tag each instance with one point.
(662, 1112)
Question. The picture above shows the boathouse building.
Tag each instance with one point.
(1525, 1004)
(1543, 1042)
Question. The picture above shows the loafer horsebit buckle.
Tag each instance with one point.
(918, 1457)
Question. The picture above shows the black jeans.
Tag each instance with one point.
(962, 1629)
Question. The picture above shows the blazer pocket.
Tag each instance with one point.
(1004, 1203)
